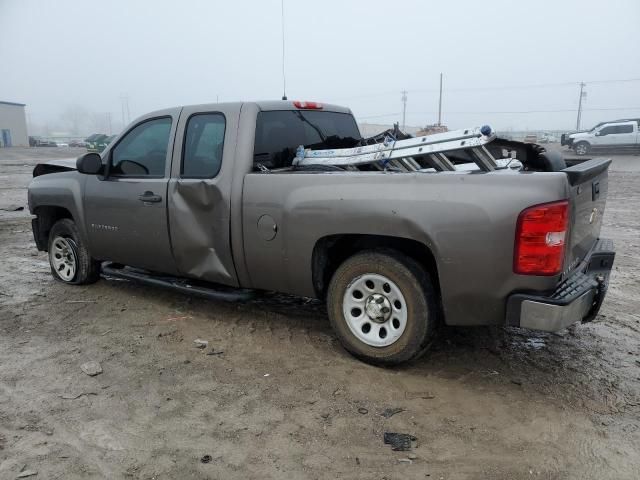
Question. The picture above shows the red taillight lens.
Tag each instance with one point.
(540, 239)
(307, 105)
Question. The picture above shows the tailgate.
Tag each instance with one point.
(588, 183)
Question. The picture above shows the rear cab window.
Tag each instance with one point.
(203, 146)
(279, 133)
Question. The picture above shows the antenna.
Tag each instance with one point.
(284, 78)
(404, 107)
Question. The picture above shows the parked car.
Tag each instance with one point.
(622, 135)
(530, 138)
(77, 143)
(547, 138)
(205, 200)
(93, 140)
(41, 142)
(100, 145)
(61, 144)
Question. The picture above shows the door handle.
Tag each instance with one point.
(150, 197)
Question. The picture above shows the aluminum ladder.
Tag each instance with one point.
(399, 154)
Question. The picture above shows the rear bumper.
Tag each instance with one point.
(578, 298)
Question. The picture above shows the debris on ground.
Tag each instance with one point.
(363, 411)
(405, 460)
(12, 208)
(213, 351)
(400, 442)
(201, 343)
(390, 412)
(27, 473)
(91, 368)
(422, 395)
(206, 459)
(73, 397)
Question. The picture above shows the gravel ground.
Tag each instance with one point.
(275, 396)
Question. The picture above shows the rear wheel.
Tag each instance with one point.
(68, 255)
(382, 307)
(581, 148)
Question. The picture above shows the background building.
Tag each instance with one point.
(13, 125)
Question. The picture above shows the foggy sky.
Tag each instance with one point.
(361, 54)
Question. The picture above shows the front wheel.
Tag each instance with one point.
(382, 306)
(581, 148)
(68, 255)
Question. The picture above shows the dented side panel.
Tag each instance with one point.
(199, 209)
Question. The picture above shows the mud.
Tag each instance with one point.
(283, 400)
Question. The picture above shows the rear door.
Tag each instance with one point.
(126, 210)
(200, 190)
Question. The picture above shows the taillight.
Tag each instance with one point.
(307, 105)
(540, 239)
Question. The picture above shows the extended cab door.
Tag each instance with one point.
(126, 209)
(200, 191)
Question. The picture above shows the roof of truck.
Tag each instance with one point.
(289, 105)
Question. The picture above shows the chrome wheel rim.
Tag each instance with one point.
(375, 310)
(581, 149)
(63, 258)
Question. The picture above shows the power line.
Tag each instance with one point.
(563, 110)
(493, 88)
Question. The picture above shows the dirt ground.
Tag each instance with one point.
(279, 398)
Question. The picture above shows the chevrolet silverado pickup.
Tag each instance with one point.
(207, 200)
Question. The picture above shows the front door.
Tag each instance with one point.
(126, 210)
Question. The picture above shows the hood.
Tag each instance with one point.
(580, 135)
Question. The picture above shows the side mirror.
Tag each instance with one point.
(89, 163)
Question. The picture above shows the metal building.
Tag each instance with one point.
(13, 125)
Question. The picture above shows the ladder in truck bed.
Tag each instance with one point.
(398, 154)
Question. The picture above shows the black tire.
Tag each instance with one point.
(86, 269)
(581, 148)
(416, 286)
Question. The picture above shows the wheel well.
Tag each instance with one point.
(329, 253)
(46, 217)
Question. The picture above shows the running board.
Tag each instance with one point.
(214, 292)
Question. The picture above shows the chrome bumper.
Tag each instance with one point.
(578, 298)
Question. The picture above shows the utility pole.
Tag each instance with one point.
(440, 103)
(404, 108)
(108, 114)
(583, 94)
(124, 104)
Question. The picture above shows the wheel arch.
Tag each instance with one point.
(331, 251)
(46, 217)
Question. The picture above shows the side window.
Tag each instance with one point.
(203, 144)
(608, 130)
(625, 129)
(143, 151)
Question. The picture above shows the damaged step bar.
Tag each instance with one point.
(399, 153)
